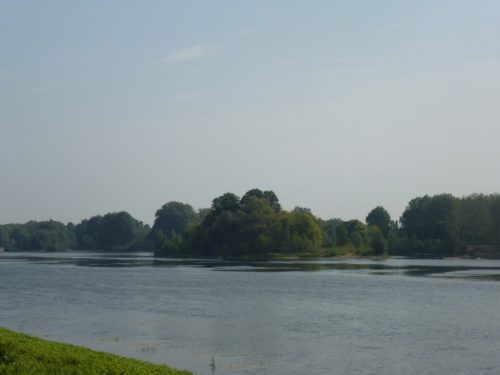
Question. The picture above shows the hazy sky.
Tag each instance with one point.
(338, 106)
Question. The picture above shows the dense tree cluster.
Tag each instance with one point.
(443, 225)
(256, 225)
(43, 235)
(112, 232)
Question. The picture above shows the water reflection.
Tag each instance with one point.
(485, 270)
(412, 316)
(406, 267)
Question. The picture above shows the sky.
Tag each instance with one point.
(337, 106)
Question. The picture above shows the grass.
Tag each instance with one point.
(23, 354)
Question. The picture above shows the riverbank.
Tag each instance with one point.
(24, 354)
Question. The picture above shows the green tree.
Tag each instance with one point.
(414, 216)
(495, 218)
(226, 202)
(248, 230)
(351, 225)
(477, 219)
(432, 226)
(377, 241)
(302, 210)
(341, 235)
(328, 227)
(202, 213)
(254, 225)
(267, 195)
(429, 217)
(87, 233)
(381, 218)
(174, 216)
(359, 235)
(303, 234)
(118, 231)
(113, 231)
(47, 235)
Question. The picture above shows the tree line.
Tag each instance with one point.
(257, 225)
(117, 231)
(444, 225)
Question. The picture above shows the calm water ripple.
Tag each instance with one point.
(411, 316)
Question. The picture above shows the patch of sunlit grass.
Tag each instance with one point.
(24, 354)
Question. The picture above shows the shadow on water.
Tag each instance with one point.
(485, 273)
(437, 268)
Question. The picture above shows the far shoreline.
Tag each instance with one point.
(270, 257)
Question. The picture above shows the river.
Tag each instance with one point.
(397, 316)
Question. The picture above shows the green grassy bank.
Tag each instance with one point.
(24, 354)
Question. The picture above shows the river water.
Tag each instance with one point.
(397, 316)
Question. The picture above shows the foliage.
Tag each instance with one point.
(429, 217)
(226, 202)
(302, 210)
(172, 220)
(381, 218)
(341, 235)
(329, 228)
(303, 234)
(113, 231)
(117, 231)
(443, 225)
(377, 241)
(174, 216)
(22, 354)
(44, 235)
(254, 225)
(267, 195)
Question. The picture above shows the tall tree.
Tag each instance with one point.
(87, 233)
(174, 216)
(303, 234)
(113, 231)
(118, 231)
(377, 241)
(413, 218)
(226, 202)
(267, 195)
(381, 218)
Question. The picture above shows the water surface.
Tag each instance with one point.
(320, 317)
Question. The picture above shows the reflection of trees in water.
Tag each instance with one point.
(381, 268)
